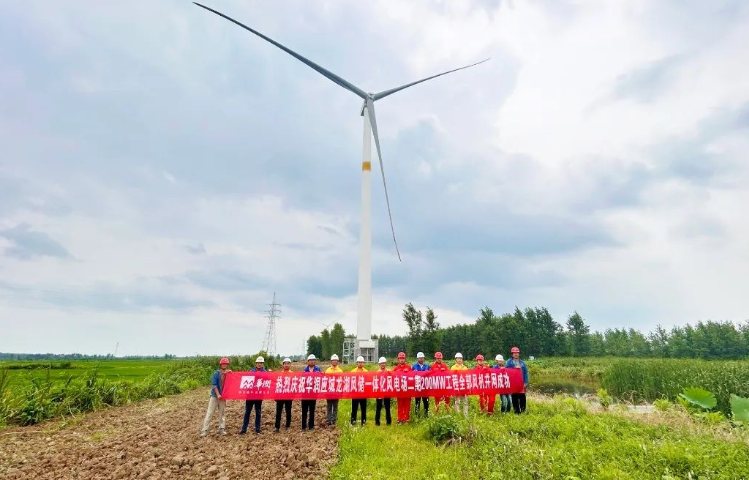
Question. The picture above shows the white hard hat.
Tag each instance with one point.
(382, 360)
(499, 358)
(420, 355)
(287, 360)
(311, 356)
(334, 357)
(458, 355)
(259, 360)
(359, 358)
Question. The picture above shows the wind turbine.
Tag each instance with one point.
(364, 300)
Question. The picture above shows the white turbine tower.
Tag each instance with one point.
(364, 344)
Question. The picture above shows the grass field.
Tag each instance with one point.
(555, 439)
(34, 392)
(129, 370)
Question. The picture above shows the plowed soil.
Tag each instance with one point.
(160, 439)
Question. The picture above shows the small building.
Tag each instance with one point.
(353, 347)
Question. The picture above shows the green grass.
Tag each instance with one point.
(129, 370)
(558, 439)
(32, 393)
(651, 379)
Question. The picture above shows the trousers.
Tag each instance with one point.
(248, 405)
(518, 402)
(308, 414)
(383, 402)
(213, 405)
(419, 401)
(282, 405)
(357, 403)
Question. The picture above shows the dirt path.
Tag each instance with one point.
(160, 439)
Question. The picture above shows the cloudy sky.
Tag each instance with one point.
(163, 172)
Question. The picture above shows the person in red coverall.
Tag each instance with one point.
(486, 400)
(404, 404)
(440, 366)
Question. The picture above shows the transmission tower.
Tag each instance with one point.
(274, 313)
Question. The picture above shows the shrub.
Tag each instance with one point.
(447, 428)
(662, 405)
(604, 398)
(740, 409)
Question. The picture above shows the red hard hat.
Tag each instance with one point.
(224, 361)
(438, 355)
(401, 355)
(480, 357)
(515, 350)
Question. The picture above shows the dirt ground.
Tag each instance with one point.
(160, 439)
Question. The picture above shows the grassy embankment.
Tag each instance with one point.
(32, 393)
(567, 438)
(557, 438)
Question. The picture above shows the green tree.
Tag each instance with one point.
(597, 344)
(337, 334)
(325, 343)
(579, 336)
(431, 334)
(414, 320)
(659, 342)
(314, 346)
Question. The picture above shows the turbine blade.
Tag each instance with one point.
(324, 72)
(385, 93)
(373, 123)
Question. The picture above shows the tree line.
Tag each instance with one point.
(80, 356)
(537, 334)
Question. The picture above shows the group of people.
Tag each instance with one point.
(515, 402)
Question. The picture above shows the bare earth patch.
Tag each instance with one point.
(160, 439)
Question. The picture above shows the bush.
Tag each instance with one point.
(604, 398)
(447, 428)
(662, 405)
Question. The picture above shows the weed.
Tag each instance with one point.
(662, 405)
(447, 428)
(604, 398)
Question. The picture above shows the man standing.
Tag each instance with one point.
(249, 404)
(282, 405)
(518, 399)
(421, 366)
(308, 406)
(383, 401)
(332, 405)
(440, 366)
(486, 400)
(216, 400)
(404, 403)
(504, 399)
(459, 366)
(357, 403)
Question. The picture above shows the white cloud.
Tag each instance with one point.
(190, 170)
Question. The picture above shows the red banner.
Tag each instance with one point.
(316, 386)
